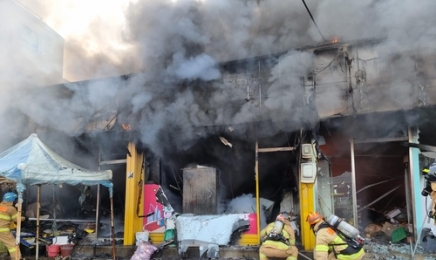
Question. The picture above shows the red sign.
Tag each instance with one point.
(155, 222)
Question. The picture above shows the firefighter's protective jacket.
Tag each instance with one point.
(8, 213)
(287, 232)
(328, 241)
(433, 205)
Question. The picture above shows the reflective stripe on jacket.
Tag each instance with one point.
(4, 229)
(8, 213)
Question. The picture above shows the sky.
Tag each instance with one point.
(118, 37)
(104, 39)
(93, 30)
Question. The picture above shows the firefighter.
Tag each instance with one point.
(8, 213)
(432, 212)
(430, 188)
(429, 173)
(329, 245)
(278, 239)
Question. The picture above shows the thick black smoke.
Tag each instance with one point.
(181, 44)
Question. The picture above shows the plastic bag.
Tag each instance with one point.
(144, 251)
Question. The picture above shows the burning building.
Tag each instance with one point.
(316, 128)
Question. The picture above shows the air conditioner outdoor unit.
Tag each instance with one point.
(306, 151)
(308, 172)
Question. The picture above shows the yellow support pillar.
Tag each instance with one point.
(256, 170)
(134, 172)
(307, 205)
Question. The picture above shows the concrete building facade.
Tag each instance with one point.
(31, 52)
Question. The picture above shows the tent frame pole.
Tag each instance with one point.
(38, 212)
(114, 250)
(97, 210)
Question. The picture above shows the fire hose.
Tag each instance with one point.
(305, 256)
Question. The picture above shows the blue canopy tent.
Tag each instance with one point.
(31, 162)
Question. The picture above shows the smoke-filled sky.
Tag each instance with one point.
(117, 37)
(173, 41)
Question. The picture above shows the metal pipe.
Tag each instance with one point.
(377, 156)
(260, 90)
(414, 182)
(97, 210)
(66, 220)
(275, 149)
(120, 161)
(381, 140)
(371, 185)
(429, 148)
(304, 256)
(114, 250)
(407, 189)
(18, 232)
(256, 170)
(38, 212)
(353, 183)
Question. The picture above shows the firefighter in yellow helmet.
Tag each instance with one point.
(8, 213)
(278, 239)
(329, 245)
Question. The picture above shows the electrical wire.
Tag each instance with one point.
(316, 71)
(327, 66)
(313, 20)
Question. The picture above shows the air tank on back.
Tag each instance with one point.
(347, 229)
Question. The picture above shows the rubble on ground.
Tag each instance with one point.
(388, 237)
(400, 251)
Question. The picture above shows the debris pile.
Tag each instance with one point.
(390, 227)
(59, 233)
(402, 251)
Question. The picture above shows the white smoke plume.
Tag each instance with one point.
(246, 204)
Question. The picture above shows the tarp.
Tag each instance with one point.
(207, 231)
(31, 162)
